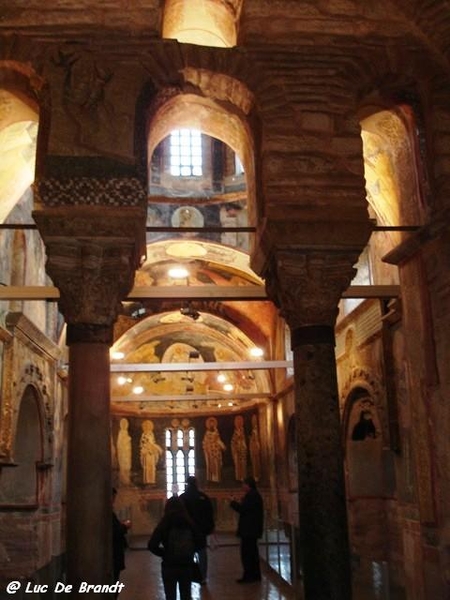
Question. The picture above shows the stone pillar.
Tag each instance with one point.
(88, 504)
(92, 255)
(307, 286)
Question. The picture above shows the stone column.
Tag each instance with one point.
(307, 286)
(92, 255)
(88, 504)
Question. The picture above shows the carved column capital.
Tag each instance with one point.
(92, 255)
(307, 285)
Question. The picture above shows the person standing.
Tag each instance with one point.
(200, 508)
(176, 540)
(250, 529)
(119, 540)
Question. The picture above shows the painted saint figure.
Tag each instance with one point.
(124, 452)
(255, 449)
(239, 449)
(150, 452)
(213, 448)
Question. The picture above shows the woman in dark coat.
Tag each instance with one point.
(176, 540)
(250, 529)
(119, 540)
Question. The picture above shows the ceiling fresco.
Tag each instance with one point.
(170, 338)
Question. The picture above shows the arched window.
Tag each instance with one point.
(180, 458)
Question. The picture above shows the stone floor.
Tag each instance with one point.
(142, 578)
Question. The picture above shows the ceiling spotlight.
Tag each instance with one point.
(178, 272)
(221, 378)
(256, 352)
(138, 389)
(117, 355)
(139, 312)
(228, 387)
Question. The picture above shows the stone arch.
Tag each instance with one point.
(390, 128)
(20, 480)
(223, 120)
(19, 74)
(18, 138)
(33, 377)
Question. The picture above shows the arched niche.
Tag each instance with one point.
(19, 481)
(364, 446)
(369, 458)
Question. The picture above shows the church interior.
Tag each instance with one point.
(225, 251)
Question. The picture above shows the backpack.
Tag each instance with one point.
(180, 546)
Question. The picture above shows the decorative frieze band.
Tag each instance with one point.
(82, 191)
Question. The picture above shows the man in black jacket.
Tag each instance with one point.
(250, 529)
(200, 509)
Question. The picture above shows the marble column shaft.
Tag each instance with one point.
(306, 286)
(321, 487)
(89, 534)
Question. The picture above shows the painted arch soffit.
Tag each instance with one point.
(215, 257)
(171, 337)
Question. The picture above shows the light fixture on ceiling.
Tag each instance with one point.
(188, 311)
(221, 378)
(256, 352)
(228, 387)
(116, 355)
(138, 389)
(178, 272)
(139, 312)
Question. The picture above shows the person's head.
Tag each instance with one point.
(191, 482)
(174, 505)
(249, 483)
(175, 510)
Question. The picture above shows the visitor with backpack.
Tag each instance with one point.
(200, 509)
(176, 540)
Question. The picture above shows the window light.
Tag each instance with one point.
(186, 153)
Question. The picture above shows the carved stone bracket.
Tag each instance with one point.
(92, 255)
(307, 285)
